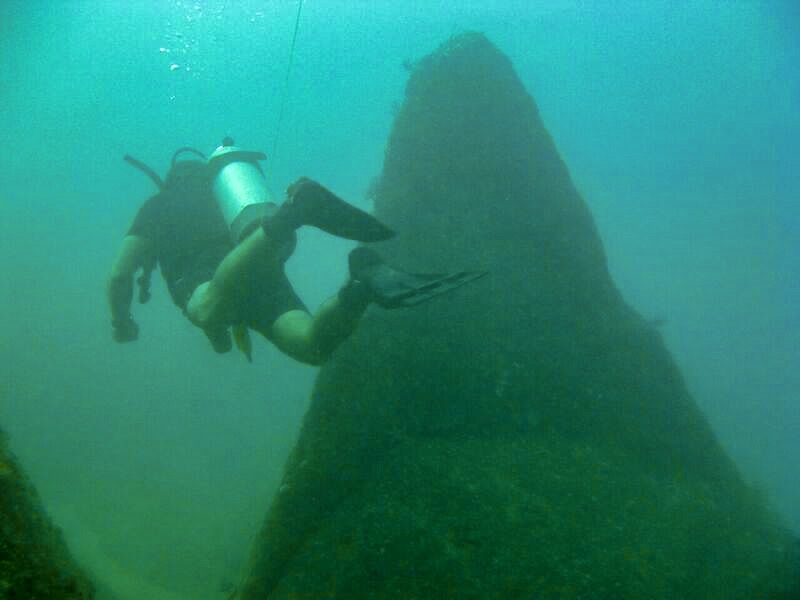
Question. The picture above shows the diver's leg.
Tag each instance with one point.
(213, 301)
(312, 339)
(309, 203)
(216, 299)
(291, 334)
(336, 320)
(207, 309)
(255, 254)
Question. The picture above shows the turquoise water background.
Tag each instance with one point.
(679, 124)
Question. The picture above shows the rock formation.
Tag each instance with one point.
(527, 436)
(34, 561)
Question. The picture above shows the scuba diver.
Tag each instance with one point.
(221, 245)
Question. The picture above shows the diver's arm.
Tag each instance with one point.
(136, 252)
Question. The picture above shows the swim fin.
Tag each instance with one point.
(391, 288)
(309, 203)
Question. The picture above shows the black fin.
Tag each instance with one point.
(311, 204)
(394, 288)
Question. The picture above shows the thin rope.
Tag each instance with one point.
(285, 93)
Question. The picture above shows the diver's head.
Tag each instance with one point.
(187, 176)
(185, 172)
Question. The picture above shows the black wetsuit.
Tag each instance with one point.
(191, 239)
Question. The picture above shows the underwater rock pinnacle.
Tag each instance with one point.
(527, 436)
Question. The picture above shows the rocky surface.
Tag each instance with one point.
(526, 436)
(34, 561)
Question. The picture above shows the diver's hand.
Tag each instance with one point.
(220, 339)
(125, 330)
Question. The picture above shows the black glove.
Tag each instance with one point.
(220, 339)
(125, 330)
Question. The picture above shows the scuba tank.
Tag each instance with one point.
(240, 188)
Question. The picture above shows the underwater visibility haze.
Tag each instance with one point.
(678, 127)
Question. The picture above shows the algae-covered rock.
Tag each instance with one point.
(34, 561)
(527, 436)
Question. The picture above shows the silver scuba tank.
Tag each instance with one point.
(240, 188)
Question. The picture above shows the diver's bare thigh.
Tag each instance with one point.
(204, 308)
